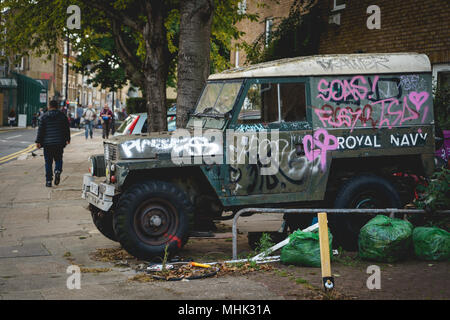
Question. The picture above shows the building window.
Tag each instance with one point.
(338, 5)
(20, 64)
(441, 75)
(269, 25)
(242, 7)
(443, 80)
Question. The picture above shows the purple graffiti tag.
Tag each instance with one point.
(327, 143)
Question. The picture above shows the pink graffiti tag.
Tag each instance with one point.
(327, 143)
(418, 98)
(339, 90)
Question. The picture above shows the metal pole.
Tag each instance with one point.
(67, 72)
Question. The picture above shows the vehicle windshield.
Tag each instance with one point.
(217, 99)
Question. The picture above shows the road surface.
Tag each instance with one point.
(13, 143)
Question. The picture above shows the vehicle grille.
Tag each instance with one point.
(110, 152)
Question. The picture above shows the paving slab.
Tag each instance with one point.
(26, 250)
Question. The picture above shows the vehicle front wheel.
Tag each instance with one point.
(150, 216)
(103, 221)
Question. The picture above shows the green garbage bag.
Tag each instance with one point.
(431, 243)
(303, 249)
(385, 239)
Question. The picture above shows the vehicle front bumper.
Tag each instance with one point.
(98, 194)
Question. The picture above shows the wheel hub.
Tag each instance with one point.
(154, 220)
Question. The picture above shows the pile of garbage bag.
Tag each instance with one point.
(303, 249)
(385, 239)
(431, 243)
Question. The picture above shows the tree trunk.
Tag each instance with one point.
(156, 65)
(193, 54)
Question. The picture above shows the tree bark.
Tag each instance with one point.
(193, 54)
(156, 65)
(150, 74)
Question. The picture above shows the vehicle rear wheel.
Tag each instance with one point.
(363, 192)
(103, 221)
(297, 221)
(151, 216)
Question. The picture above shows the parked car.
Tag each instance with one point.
(137, 123)
(340, 127)
(119, 118)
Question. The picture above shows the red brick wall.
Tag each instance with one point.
(406, 25)
(275, 9)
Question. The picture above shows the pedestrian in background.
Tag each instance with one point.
(40, 114)
(89, 117)
(11, 118)
(53, 135)
(34, 120)
(106, 117)
(79, 115)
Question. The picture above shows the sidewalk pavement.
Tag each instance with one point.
(41, 227)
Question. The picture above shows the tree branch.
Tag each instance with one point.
(111, 13)
(132, 64)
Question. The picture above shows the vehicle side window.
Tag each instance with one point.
(144, 127)
(261, 103)
(252, 106)
(293, 102)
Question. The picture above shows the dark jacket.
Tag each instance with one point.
(54, 129)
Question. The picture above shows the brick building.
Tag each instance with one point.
(348, 27)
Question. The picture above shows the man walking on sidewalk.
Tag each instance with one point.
(53, 135)
(106, 116)
(89, 120)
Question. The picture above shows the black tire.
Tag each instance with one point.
(103, 221)
(151, 215)
(365, 192)
(296, 221)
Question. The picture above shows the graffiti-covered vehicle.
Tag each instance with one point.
(321, 131)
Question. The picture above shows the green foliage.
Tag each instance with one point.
(441, 103)
(31, 27)
(136, 105)
(264, 243)
(436, 194)
(117, 40)
(99, 60)
(296, 35)
(224, 30)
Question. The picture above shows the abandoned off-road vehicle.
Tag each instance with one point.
(336, 131)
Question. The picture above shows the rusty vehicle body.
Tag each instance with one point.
(342, 126)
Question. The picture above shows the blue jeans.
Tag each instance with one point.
(88, 125)
(53, 153)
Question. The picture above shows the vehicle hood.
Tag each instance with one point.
(177, 143)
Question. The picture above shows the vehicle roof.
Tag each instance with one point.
(337, 64)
